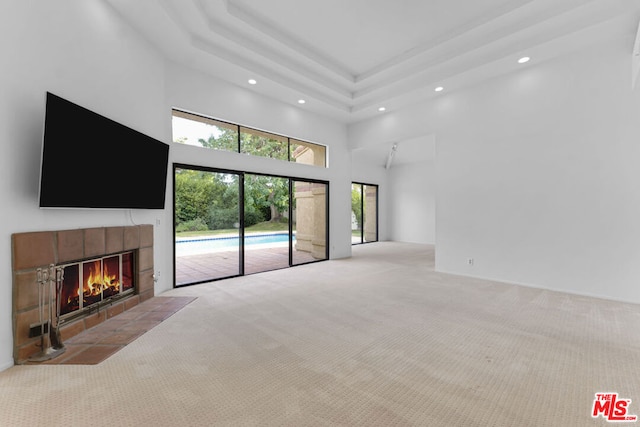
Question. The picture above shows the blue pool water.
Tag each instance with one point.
(216, 244)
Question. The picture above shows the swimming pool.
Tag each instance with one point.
(218, 244)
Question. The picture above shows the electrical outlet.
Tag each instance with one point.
(469, 261)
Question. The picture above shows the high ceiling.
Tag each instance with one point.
(347, 58)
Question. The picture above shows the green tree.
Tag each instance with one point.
(356, 203)
(227, 140)
(196, 192)
(267, 194)
(258, 144)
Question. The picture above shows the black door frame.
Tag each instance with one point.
(362, 197)
(241, 207)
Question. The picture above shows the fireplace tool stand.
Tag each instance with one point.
(50, 340)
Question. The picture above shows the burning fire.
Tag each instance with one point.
(100, 279)
(89, 282)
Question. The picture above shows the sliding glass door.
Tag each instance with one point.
(230, 223)
(364, 213)
(310, 225)
(266, 214)
(207, 224)
(370, 213)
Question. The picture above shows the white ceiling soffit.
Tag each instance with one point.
(349, 57)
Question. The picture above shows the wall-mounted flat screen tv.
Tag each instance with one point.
(91, 161)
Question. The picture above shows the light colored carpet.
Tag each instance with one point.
(376, 340)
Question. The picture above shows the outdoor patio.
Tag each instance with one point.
(216, 265)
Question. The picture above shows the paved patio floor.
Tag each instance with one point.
(216, 265)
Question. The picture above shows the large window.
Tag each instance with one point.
(201, 131)
(263, 144)
(364, 213)
(204, 132)
(231, 223)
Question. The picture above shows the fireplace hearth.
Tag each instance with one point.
(103, 272)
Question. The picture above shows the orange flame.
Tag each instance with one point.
(100, 279)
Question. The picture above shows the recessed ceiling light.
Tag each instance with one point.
(252, 81)
(381, 109)
(439, 89)
(301, 101)
(523, 60)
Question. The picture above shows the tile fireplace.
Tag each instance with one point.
(99, 273)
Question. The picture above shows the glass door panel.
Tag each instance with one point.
(309, 221)
(356, 213)
(364, 213)
(370, 213)
(266, 220)
(207, 225)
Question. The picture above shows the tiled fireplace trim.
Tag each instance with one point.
(35, 250)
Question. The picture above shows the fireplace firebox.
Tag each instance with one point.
(89, 284)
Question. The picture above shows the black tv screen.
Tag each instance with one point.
(90, 161)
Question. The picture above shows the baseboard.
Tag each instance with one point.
(545, 288)
(6, 365)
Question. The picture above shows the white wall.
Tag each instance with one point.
(537, 173)
(541, 185)
(412, 207)
(81, 50)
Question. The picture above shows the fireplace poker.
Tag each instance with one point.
(47, 352)
(54, 329)
(41, 282)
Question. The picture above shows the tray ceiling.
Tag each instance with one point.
(347, 58)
